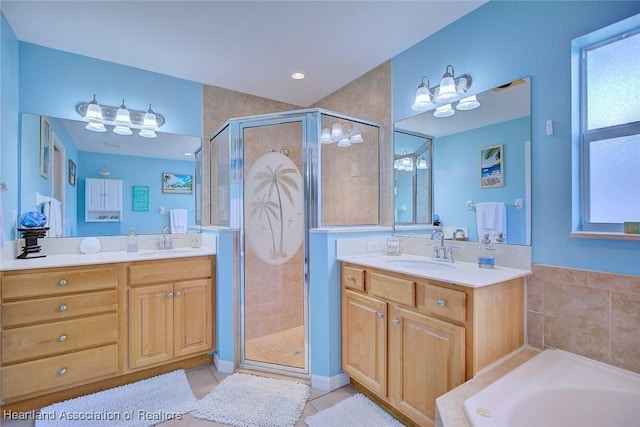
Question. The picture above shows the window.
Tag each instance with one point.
(610, 133)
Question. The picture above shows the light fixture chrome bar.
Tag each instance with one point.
(109, 115)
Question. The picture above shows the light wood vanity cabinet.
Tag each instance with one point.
(409, 340)
(59, 329)
(170, 310)
(70, 331)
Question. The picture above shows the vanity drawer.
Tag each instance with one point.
(57, 281)
(352, 278)
(59, 371)
(441, 301)
(391, 288)
(31, 342)
(58, 308)
(142, 273)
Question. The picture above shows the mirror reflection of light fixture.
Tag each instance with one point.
(450, 89)
(104, 171)
(444, 111)
(421, 163)
(340, 135)
(122, 118)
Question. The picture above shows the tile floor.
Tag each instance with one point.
(205, 378)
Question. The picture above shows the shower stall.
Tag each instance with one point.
(273, 178)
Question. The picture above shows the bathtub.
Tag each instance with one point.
(558, 389)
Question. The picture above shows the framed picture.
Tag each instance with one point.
(175, 183)
(491, 167)
(72, 173)
(45, 147)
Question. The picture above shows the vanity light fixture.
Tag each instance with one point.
(421, 163)
(340, 135)
(121, 118)
(450, 89)
(444, 111)
(104, 171)
(468, 103)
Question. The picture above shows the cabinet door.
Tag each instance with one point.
(94, 194)
(113, 194)
(150, 325)
(364, 340)
(193, 317)
(426, 359)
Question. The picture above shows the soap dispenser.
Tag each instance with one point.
(132, 241)
(486, 253)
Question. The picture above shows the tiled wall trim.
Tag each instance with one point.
(590, 313)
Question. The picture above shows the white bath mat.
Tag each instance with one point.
(143, 403)
(245, 400)
(354, 411)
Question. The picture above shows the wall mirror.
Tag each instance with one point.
(75, 154)
(453, 177)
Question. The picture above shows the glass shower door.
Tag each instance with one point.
(274, 290)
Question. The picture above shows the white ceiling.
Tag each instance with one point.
(247, 46)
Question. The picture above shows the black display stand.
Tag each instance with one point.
(31, 249)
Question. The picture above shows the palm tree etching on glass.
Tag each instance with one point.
(274, 182)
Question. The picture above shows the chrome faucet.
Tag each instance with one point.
(164, 243)
(441, 253)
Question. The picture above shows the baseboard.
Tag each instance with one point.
(329, 383)
(223, 366)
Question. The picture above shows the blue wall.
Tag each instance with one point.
(503, 41)
(133, 171)
(9, 101)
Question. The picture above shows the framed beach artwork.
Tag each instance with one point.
(175, 183)
(45, 147)
(491, 167)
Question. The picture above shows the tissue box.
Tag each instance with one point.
(632, 227)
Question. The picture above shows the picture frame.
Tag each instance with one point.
(45, 147)
(72, 173)
(176, 183)
(492, 166)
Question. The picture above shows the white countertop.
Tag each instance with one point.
(460, 273)
(68, 260)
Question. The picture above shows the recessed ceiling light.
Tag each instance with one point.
(188, 154)
(297, 75)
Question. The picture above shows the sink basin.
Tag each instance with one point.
(419, 264)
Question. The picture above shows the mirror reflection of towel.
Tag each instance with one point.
(178, 221)
(53, 212)
(491, 219)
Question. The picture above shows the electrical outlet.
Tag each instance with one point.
(372, 246)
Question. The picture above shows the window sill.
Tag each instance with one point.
(604, 235)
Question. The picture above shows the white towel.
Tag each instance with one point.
(491, 219)
(178, 221)
(1, 226)
(53, 212)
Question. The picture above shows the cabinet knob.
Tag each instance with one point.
(169, 295)
(396, 321)
(62, 371)
(62, 338)
(441, 303)
(380, 315)
(62, 282)
(178, 294)
(62, 308)
(350, 278)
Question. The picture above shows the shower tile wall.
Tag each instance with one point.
(220, 105)
(369, 97)
(593, 314)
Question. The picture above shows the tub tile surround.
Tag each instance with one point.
(590, 313)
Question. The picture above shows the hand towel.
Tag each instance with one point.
(53, 211)
(491, 219)
(178, 221)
